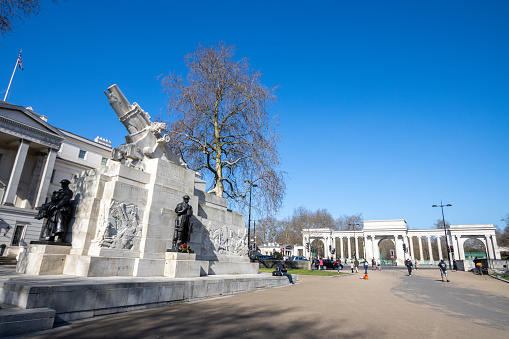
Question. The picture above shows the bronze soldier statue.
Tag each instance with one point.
(57, 213)
(183, 224)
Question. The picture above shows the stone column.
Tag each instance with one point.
(405, 241)
(374, 247)
(495, 247)
(366, 247)
(461, 251)
(349, 247)
(455, 241)
(411, 243)
(398, 249)
(19, 162)
(439, 248)
(356, 246)
(489, 247)
(430, 249)
(421, 252)
(45, 177)
(341, 247)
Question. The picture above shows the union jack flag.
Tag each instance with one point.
(19, 60)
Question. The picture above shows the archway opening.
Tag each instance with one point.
(474, 248)
(317, 248)
(387, 251)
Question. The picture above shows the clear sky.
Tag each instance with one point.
(386, 107)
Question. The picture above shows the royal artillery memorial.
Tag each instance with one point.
(119, 251)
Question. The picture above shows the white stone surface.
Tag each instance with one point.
(43, 259)
(76, 297)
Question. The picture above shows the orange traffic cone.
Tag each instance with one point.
(365, 276)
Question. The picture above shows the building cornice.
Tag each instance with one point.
(30, 133)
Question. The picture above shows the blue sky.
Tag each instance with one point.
(386, 107)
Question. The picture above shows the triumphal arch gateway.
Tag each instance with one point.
(414, 241)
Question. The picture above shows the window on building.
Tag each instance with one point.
(82, 154)
(104, 161)
(18, 234)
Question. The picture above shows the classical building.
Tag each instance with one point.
(406, 243)
(34, 157)
(271, 247)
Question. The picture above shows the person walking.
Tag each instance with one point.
(409, 265)
(366, 265)
(373, 264)
(416, 264)
(379, 265)
(454, 265)
(356, 265)
(443, 270)
(478, 266)
(320, 264)
(351, 264)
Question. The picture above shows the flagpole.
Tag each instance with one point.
(12, 76)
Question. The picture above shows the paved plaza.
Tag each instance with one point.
(388, 305)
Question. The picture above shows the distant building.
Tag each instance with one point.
(34, 157)
(269, 248)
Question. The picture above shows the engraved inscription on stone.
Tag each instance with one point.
(173, 177)
(121, 229)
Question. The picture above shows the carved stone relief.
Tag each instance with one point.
(225, 240)
(121, 229)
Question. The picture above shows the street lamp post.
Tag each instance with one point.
(445, 231)
(249, 218)
(254, 231)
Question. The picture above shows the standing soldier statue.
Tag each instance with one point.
(183, 225)
(57, 213)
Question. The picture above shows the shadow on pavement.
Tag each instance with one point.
(199, 320)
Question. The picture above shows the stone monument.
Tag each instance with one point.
(124, 222)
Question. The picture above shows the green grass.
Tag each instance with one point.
(503, 276)
(306, 272)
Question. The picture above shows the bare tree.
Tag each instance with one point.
(16, 10)
(439, 223)
(503, 236)
(220, 126)
(266, 230)
(349, 222)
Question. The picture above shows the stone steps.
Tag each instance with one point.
(8, 261)
(76, 297)
(16, 321)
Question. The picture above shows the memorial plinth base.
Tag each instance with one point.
(92, 266)
(43, 259)
(184, 265)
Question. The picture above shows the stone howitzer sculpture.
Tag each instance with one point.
(145, 138)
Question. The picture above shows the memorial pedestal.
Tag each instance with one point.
(44, 259)
(184, 265)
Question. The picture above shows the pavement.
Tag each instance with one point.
(390, 304)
